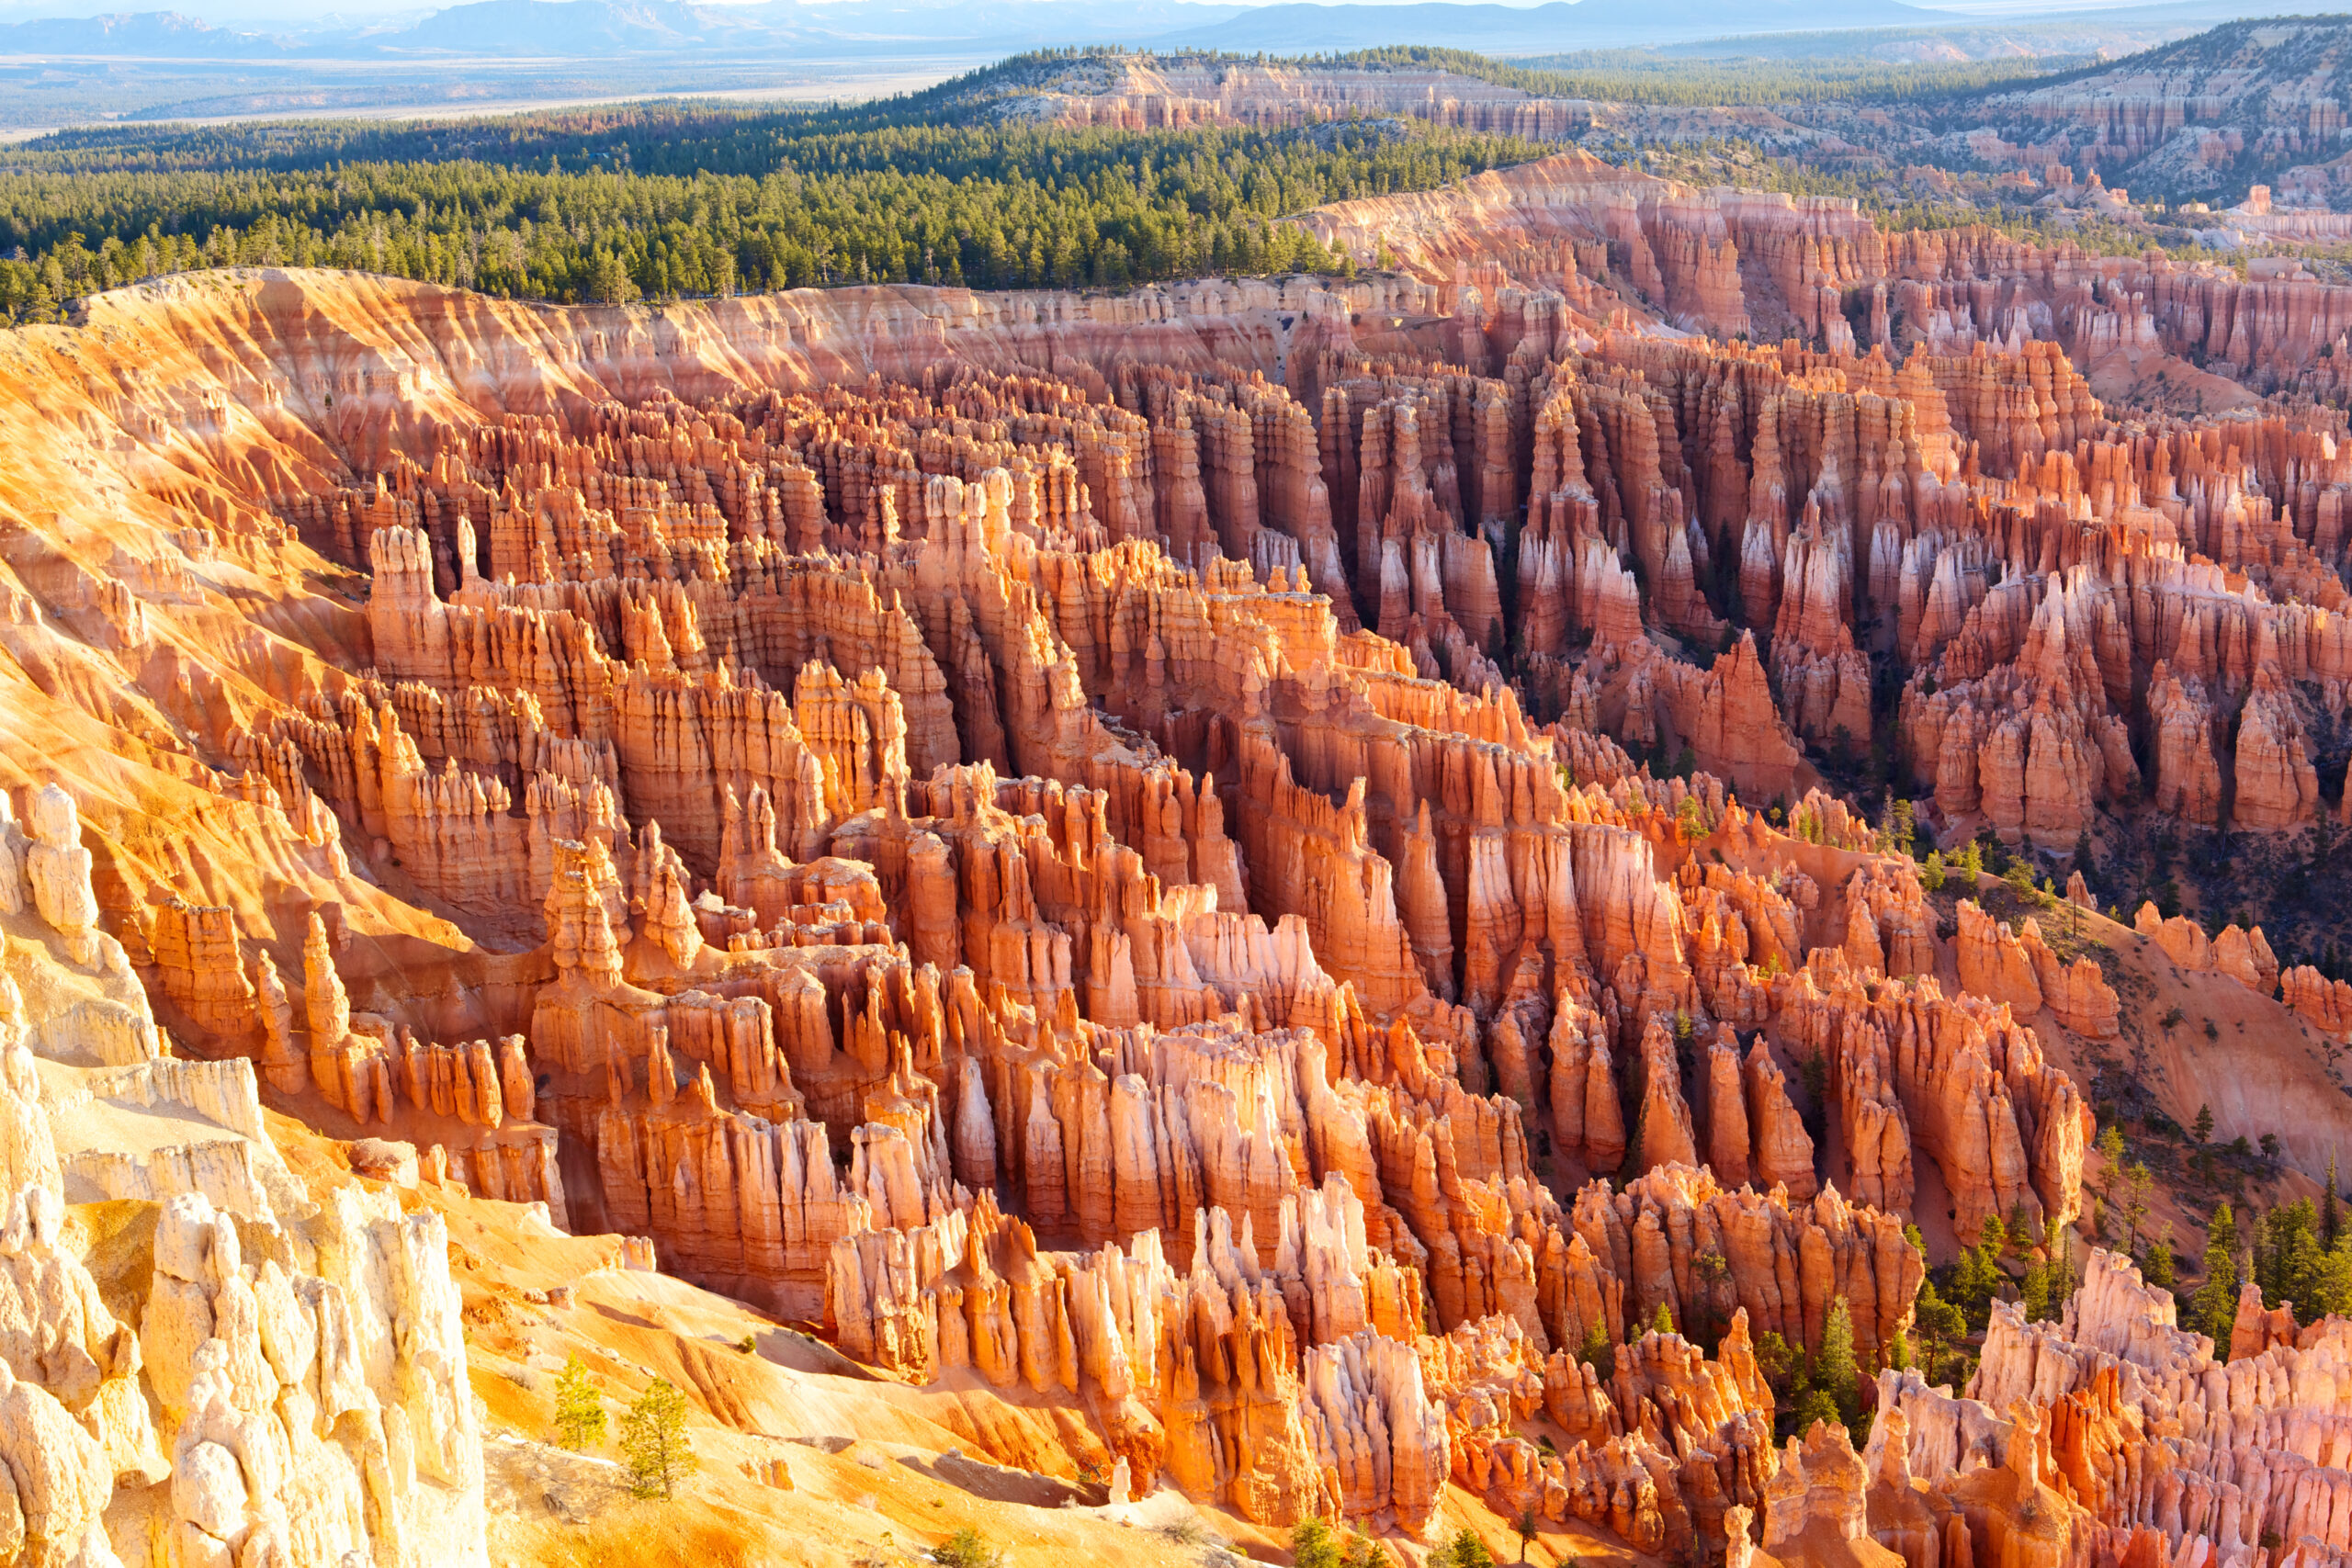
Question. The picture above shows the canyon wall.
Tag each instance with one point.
(1244, 859)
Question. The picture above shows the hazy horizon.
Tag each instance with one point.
(309, 19)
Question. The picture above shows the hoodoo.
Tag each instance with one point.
(1353, 897)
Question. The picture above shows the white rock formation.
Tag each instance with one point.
(59, 868)
(295, 1394)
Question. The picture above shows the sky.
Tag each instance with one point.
(307, 15)
(310, 14)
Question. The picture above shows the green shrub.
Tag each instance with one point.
(967, 1548)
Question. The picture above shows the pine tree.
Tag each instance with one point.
(1973, 1279)
(654, 1440)
(1597, 1353)
(1662, 1322)
(1940, 1324)
(579, 1411)
(1311, 1545)
(2214, 1306)
(2034, 1295)
(609, 282)
(1778, 1363)
(2202, 1128)
(2221, 1231)
(2290, 1256)
(1464, 1550)
(1834, 1368)
(2331, 1284)
(1815, 1406)
(2137, 1183)
(2331, 1216)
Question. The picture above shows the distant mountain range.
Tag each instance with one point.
(618, 28)
(152, 35)
(1539, 30)
(613, 30)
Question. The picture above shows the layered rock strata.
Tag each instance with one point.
(1263, 889)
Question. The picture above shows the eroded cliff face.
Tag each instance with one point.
(265, 1374)
(2111, 1435)
(2135, 610)
(1139, 92)
(1092, 847)
(2196, 118)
